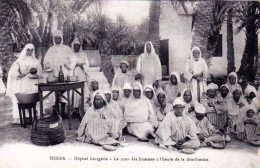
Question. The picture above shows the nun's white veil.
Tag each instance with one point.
(12, 78)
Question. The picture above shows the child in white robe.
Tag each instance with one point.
(248, 126)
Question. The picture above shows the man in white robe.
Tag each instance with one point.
(123, 75)
(196, 73)
(80, 70)
(59, 55)
(139, 115)
(208, 134)
(148, 67)
(177, 130)
(174, 88)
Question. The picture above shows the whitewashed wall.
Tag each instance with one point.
(219, 64)
(177, 28)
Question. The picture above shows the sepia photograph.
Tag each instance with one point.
(129, 83)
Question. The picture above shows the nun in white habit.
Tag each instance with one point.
(20, 79)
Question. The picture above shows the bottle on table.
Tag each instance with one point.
(61, 75)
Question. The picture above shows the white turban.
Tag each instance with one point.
(127, 86)
(178, 101)
(250, 89)
(199, 108)
(125, 62)
(148, 88)
(58, 33)
(107, 90)
(212, 86)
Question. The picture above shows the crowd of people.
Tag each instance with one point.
(185, 114)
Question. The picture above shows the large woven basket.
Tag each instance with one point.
(48, 131)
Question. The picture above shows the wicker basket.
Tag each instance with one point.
(48, 131)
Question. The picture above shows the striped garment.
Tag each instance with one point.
(100, 126)
(207, 130)
(232, 122)
(216, 114)
(173, 129)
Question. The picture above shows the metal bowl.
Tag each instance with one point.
(33, 71)
(27, 98)
(52, 79)
(72, 78)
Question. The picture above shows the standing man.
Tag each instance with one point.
(148, 68)
(59, 55)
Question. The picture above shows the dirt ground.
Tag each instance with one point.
(16, 149)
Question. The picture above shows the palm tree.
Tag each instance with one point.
(15, 17)
(230, 44)
(249, 20)
(208, 19)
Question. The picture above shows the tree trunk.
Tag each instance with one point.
(202, 27)
(153, 32)
(41, 25)
(106, 61)
(247, 69)
(230, 44)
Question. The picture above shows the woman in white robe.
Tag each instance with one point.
(19, 79)
(196, 73)
(149, 66)
(139, 115)
(80, 69)
(100, 125)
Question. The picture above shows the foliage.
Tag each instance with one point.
(248, 18)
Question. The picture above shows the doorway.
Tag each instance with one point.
(164, 56)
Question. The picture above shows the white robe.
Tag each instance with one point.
(149, 66)
(194, 68)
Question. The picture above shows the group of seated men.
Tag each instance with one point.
(172, 116)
